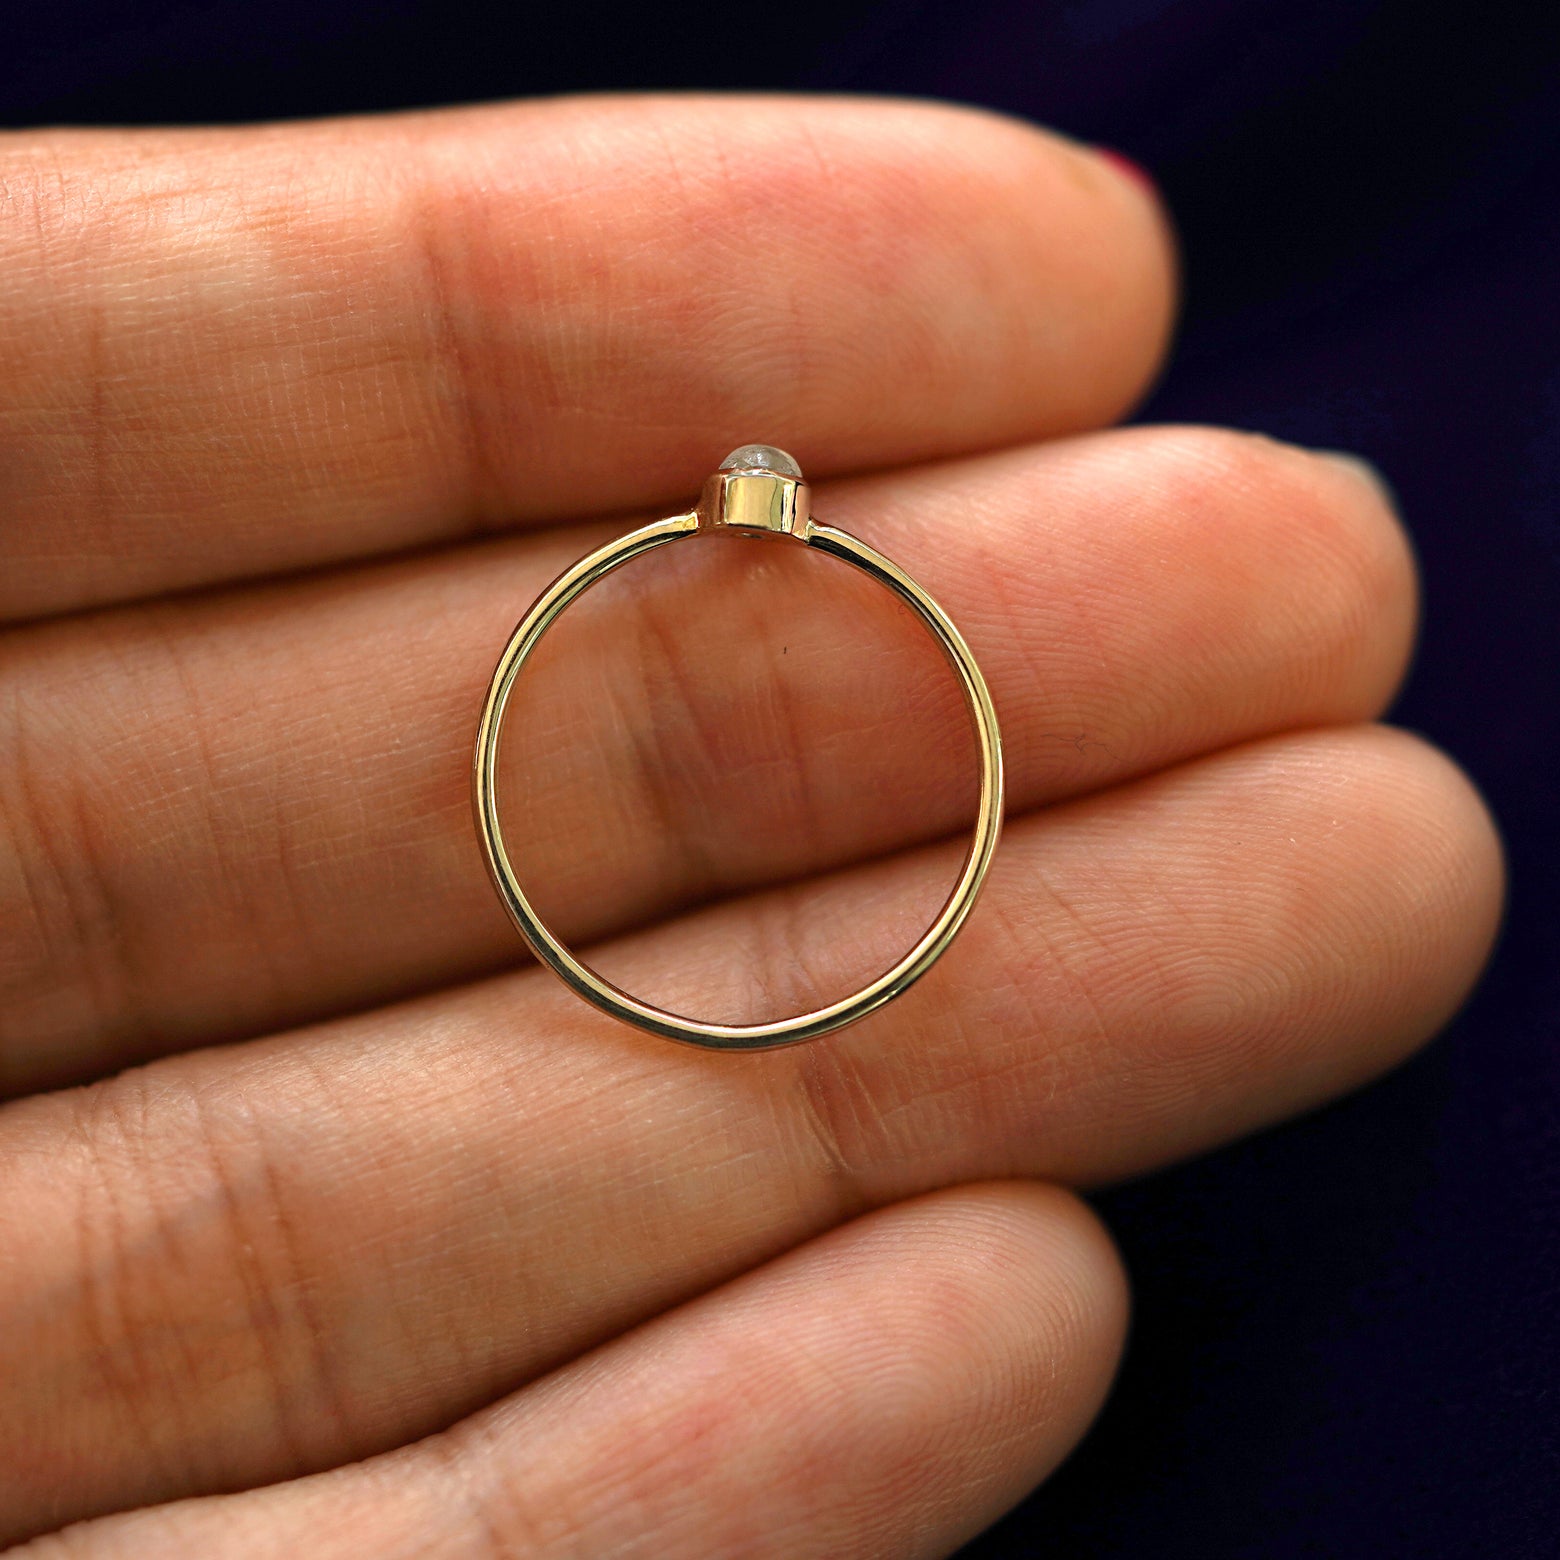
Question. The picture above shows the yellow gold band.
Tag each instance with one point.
(753, 501)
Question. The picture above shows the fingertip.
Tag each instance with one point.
(1452, 837)
(1031, 1274)
(1133, 172)
(1068, 1251)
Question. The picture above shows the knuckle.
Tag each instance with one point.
(63, 960)
(711, 752)
(190, 1252)
(40, 201)
(842, 1128)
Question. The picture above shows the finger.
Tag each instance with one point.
(238, 351)
(889, 1389)
(238, 1265)
(296, 760)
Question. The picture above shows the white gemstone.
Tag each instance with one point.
(762, 457)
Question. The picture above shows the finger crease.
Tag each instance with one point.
(477, 476)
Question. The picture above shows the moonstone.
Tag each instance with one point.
(762, 457)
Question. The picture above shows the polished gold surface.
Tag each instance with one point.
(756, 501)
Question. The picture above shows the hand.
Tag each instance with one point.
(284, 414)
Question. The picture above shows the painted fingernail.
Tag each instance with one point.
(1124, 165)
(1361, 470)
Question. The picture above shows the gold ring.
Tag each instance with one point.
(757, 491)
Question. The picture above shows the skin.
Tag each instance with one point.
(331, 1224)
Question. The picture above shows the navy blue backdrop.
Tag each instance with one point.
(1346, 1340)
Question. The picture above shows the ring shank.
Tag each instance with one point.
(571, 584)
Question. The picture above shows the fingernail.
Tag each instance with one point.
(1362, 470)
(1124, 165)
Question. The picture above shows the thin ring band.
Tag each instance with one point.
(755, 500)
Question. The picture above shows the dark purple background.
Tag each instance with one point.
(1348, 1330)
